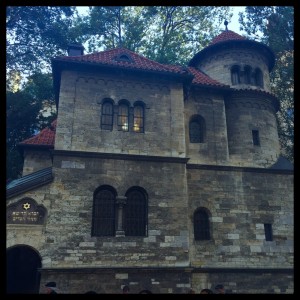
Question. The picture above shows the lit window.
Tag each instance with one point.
(123, 117)
(138, 118)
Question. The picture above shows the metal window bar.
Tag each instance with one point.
(107, 116)
(135, 214)
(104, 214)
(123, 117)
(201, 226)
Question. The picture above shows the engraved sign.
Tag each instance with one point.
(25, 211)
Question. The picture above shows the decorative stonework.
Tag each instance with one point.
(26, 211)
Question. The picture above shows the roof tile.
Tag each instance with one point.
(112, 58)
(45, 137)
(226, 35)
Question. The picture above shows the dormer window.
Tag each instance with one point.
(124, 57)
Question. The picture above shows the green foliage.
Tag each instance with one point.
(34, 34)
(167, 34)
(276, 23)
(25, 115)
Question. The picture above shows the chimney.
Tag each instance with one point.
(75, 49)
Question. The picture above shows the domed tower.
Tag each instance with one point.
(250, 106)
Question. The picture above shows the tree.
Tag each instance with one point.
(167, 34)
(276, 23)
(25, 116)
(34, 34)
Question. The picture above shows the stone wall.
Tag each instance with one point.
(218, 65)
(240, 203)
(80, 102)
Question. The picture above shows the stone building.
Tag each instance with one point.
(155, 176)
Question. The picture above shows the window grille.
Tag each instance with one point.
(123, 117)
(135, 214)
(201, 225)
(104, 213)
(107, 116)
(138, 118)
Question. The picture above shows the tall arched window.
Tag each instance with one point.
(107, 114)
(197, 130)
(259, 78)
(103, 222)
(135, 212)
(123, 116)
(235, 75)
(201, 225)
(138, 117)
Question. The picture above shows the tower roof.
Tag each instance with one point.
(226, 35)
(227, 39)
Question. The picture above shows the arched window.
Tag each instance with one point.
(135, 212)
(123, 116)
(138, 117)
(259, 78)
(107, 114)
(197, 130)
(103, 222)
(201, 225)
(247, 75)
(235, 75)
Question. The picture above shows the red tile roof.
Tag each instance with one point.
(226, 35)
(45, 137)
(138, 62)
(201, 79)
(113, 58)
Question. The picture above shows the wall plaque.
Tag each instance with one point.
(25, 211)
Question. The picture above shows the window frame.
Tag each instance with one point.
(100, 219)
(197, 135)
(201, 218)
(123, 116)
(268, 232)
(255, 137)
(235, 72)
(259, 80)
(107, 115)
(136, 214)
(138, 120)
